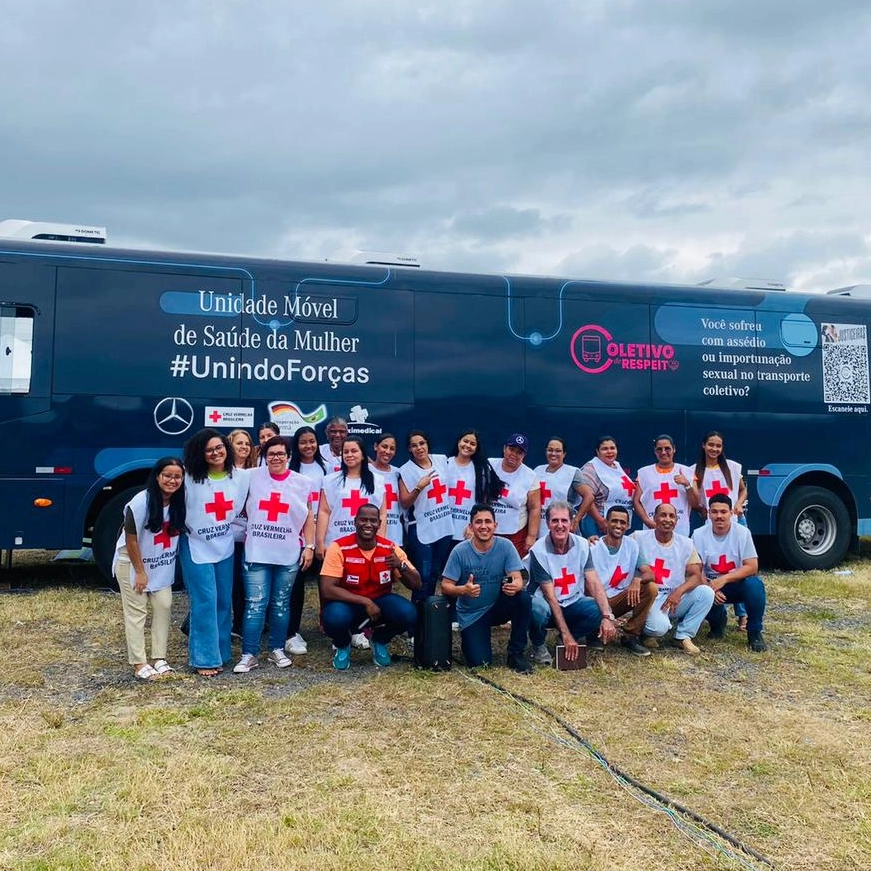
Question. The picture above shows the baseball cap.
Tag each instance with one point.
(518, 440)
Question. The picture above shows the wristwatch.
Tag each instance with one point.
(403, 565)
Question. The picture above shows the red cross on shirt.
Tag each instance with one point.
(354, 502)
(617, 577)
(665, 494)
(721, 566)
(564, 581)
(628, 486)
(390, 496)
(660, 572)
(717, 488)
(273, 506)
(314, 496)
(545, 493)
(459, 493)
(505, 493)
(437, 491)
(221, 507)
(163, 536)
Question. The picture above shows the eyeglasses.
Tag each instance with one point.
(665, 449)
(165, 477)
(280, 456)
(216, 450)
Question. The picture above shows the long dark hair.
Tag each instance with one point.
(195, 454)
(488, 485)
(702, 461)
(154, 499)
(296, 458)
(366, 476)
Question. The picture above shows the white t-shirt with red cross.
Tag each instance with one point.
(555, 486)
(721, 554)
(157, 549)
(510, 509)
(392, 507)
(660, 488)
(668, 561)
(432, 508)
(277, 508)
(211, 507)
(461, 495)
(345, 497)
(616, 570)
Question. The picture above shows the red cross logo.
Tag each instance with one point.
(628, 486)
(505, 493)
(660, 572)
(390, 496)
(314, 496)
(617, 577)
(437, 491)
(665, 494)
(354, 502)
(273, 506)
(162, 537)
(221, 507)
(459, 493)
(565, 581)
(717, 488)
(721, 567)
(545, 493)
(215, 416)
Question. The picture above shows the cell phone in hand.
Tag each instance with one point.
(563, 664)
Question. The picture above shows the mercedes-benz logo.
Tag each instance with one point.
(173, 415)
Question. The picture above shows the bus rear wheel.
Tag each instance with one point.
(813, 529)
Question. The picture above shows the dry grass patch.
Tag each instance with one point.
(309, 769)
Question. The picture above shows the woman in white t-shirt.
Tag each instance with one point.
(605, 483)
(279, 540)
(215, 495)
(385, 451)
(665, 482)
(305, 458)
(144, 564)
(559, 481)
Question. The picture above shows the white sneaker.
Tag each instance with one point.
(455, 627)
(360, 641)
(246, 663)
(541, 655)
(296, 646)
(279, 658)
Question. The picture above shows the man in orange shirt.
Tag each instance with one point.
(357, 580)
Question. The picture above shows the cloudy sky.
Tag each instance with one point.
(665, 140)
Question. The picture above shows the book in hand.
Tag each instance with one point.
(563, 664)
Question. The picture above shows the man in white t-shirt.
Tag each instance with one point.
(730, 565)
(683, 597)
(331, 452)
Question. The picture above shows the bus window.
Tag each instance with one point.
(16, 348)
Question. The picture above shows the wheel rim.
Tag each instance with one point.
(815, 530)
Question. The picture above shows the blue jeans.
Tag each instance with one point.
(750, 591)
(428, 559)
(476, 642)
(266, 586)
(341, 619)
(210, 588)
(583, 617)
(689, 614)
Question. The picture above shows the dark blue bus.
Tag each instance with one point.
(111, 358)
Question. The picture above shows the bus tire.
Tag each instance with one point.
(107, 528)
(813, 529)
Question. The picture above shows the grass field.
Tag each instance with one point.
(396, 768)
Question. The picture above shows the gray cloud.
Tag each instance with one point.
(610, 136)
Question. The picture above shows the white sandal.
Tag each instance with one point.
(162, 667)
(145, 673)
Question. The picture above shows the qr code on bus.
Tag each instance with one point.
(845, 364)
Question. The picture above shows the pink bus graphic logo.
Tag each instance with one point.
(594, 350)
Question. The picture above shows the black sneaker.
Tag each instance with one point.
(756, 642)
(519, 663)
(595, 644)
(634, 646)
